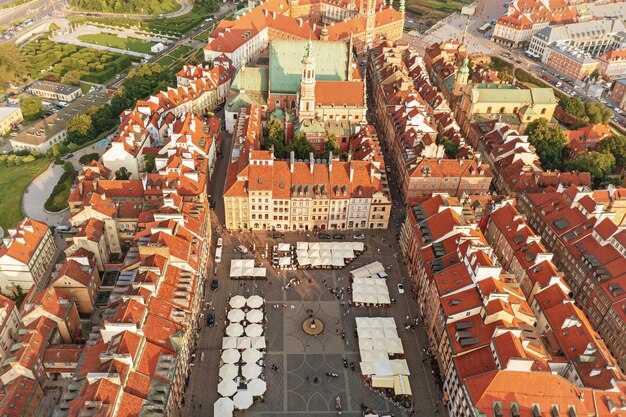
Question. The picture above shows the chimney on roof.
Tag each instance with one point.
(372, 172)
(351, 171)
(273, 15)
(311, 162)
(299, 22)
(330, 161)
(314, 26)
(265, 12)
(292, 160)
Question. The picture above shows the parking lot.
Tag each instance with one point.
(300, 385)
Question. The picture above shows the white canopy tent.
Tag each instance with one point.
(254, 330)
(234, 329)
(254, 316)
(284, 247)
(251, 371)
(223, 407)
(238, 301)
(254, 301)
(244, 268)
(251, 355)
(230, 356)
(229, 342)
(258, 342)
(368, 270)
(229, 371)
(243, 342)
(243, 400)
(257, 387)
(284, 261)
(236, 315)
(227, 387)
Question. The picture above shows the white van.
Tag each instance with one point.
(220, 242)
(218, 255)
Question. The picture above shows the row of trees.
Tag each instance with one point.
(84, 127)
(586, 111)
(301, 147)
(551, 146)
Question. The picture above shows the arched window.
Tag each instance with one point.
(293, 104)
(277, 103)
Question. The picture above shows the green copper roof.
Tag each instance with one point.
(242, 100)
(331, 63)
(310, 126)
(250, 79)
(497, 95)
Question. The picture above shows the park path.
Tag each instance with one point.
(40, 188)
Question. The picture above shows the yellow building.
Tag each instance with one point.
(9, 118)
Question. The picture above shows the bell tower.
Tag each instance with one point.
(307, 85)
(462, 77)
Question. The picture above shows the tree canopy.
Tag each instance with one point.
(598, 164)
(300, 146)
(145, 80)
(616, 146)
(587, 111)
(79, 129)
(450, 147)
(31, 107)
(276, 138)
(12, 64)
(331, 145)
(71, 78)
(549, 143)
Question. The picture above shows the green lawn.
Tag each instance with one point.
(180, 51)
(61, 192)
(129, 44)
(13, 182)
(165, 61)
(435, 7)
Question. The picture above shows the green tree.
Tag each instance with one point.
(616, 146)
(450, 147)
(71, 78)
(53, 27)
(573, 106)
(301, 146)
(31, 107)
(595, 74)
(119, 103)
(549, 143)
(597, 112)
(68, 167)
(145, 80)
(276, 138)
(331, 145)
(148, 162)
(122, 174)
(598, 164)
(13, 65)
(101, 118)
(79, 129)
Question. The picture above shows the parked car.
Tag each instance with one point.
(241, 249)
(278, 235)
(214, 285)
(210, 321)
(324, 236)
(212, 204)
(339, 236)
(359, 236)
(401, 288)
(68, 156)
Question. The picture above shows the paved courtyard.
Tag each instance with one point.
(301, 386)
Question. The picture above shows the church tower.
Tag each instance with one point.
(462, 76)
(307, 85)
(368, 10)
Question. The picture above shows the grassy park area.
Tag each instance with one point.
(13, 182)
(113, 41)
(435, 8)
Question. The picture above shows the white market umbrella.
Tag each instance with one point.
(254, 330)
(254, 301)
(234, 329)
(229, 371)
(223, 407)
(237, 301)
(258, 342)
(227, 387)
(243, 400)
(236, 315)
(243, 343)
(257, 387)
(251, 355)
(251, 371)
(254, 316)
(230, 356)
(229, 342)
